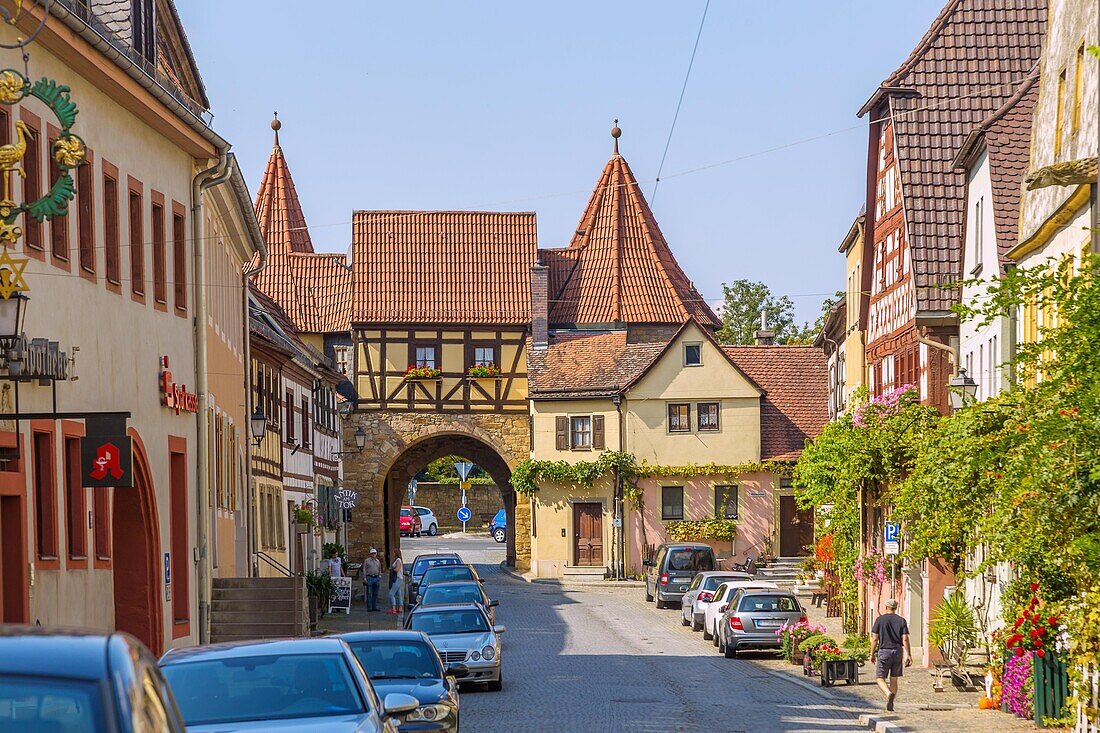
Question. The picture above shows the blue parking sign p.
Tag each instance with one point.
(890, 532)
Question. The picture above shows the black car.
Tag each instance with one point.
(69, 680)
(407, 662)
(458, 591)
(445, 573)
(421, 564)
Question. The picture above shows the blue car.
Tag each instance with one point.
(498, 528)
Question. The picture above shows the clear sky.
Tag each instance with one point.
(508, 106)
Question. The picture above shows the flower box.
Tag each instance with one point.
(422, 374)
(834, 670)
(483, 371)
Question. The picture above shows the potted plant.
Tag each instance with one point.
(421, 373)
(320, 587)
(483, 371)
(791, 638)
(303, 519)
(955, 632)
(835, 665)
(806, 657)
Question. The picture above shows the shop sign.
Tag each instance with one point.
(106, 453)
(175, 396)
(346, 498)
(39, 359)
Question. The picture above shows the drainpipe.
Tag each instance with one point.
(620, 508)
(203, 180)
(245, 201)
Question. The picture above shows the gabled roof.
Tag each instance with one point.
(443, 267)
(314, 289)
(174, 52)
(1006, 136)
(587, 364)
(971, 60)
(618, 268)
(795, 406)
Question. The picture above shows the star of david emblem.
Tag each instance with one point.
(11, 274)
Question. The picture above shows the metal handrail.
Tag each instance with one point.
(274, 563)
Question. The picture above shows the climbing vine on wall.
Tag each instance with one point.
(711, 528)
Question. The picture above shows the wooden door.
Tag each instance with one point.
(796, 528)
(588, 534)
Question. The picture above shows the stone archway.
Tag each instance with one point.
(135, 556)
(401, 443)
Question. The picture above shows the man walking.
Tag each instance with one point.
(372, 572)
(889, 636)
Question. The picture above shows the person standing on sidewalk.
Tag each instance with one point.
(397, 584)
(890, 650)
(372, 574)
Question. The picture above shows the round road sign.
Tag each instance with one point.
(464, 514)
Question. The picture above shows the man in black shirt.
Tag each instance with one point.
(889, 636)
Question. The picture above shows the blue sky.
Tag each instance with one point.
(508, 106)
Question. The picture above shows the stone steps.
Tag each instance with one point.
(258, 608)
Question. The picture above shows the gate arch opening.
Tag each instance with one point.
(134, 532)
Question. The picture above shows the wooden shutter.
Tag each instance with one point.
(561, 432)
(597, 432)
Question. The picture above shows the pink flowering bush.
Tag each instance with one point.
(871, 569)
(1018, 686)
(886, 404)
(791, 635)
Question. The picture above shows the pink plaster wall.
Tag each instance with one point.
(754, 525)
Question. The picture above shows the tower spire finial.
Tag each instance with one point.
(276, 126)
(616, 133)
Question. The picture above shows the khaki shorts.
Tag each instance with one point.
(888, 663)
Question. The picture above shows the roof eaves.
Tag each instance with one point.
(885, 92)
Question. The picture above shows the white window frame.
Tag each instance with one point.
(698, 345)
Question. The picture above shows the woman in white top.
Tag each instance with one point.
(397, 584)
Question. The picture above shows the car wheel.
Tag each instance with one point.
(660, 603)
(433, 530)
(706, 634)
(498, 684)
(648, 595)
(715, 637)
(683, 620)
(721, 645)
(499, 535)
(730, 651)
(696, 625)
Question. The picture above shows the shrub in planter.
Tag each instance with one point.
(811, 663)
(791, 636)
(954, 630)
(858, 647)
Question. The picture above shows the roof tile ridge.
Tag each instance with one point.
(925, 43)
(617, 239)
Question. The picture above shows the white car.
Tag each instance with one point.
(699, 594)
(717, 606)
(429, 525)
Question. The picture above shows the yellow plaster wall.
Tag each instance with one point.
(544, 414)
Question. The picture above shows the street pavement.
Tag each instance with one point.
(600, 659)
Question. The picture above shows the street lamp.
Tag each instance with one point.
(961, 389)
(344, 408)
(259, 426)
(12, 312)
(360, 443)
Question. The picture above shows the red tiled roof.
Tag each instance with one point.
(618, 268)
(796, 404)
(968, 64)
(588, 364)
(441, 267)
(313, 289)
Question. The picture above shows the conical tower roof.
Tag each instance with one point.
(277, 207)
(618, 269)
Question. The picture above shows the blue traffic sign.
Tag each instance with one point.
(464, 514)
(890, 532)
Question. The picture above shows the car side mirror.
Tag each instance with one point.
(722, 609)
(457, 670)
(494, 604)
(397, 703)
(499, 629)
(647, 563)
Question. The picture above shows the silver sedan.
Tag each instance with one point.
(462, 634)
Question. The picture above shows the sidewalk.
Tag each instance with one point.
(530, 577)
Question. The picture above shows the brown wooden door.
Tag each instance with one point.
(796, 528)
(588, 534)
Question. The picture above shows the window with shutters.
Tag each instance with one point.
(160, 265)
(75, 511)
(32, 185)
(45, 496)
(178, 538)
(111, 245)
(289, 416)
(137, 244)
(679, 418)
(305, 422)
(708, 416)
(672, 502)
(85, 224)
(725, 501)
(597, 432)
(59, 225)
(101, 523)
(580, 432)
(179, 262)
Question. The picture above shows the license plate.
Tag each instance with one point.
(767, 624)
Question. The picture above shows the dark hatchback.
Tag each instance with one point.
(81, 682)
(672, 569)
(407, 662)
(421, 564)
(444, 574)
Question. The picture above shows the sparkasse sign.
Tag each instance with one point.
(175, 396)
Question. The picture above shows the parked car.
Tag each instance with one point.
(72, 680)
(428, 522)
(407, 662)
(444, 573)
(421, 563)
(671, 570)
(285, 685)
(752, 618)
(712, 614)
(498, 527)
(458, 591)
(699, 594)
(462, 633)
(409, 523)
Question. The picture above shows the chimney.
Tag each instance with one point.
(540, 305)
(765, 336)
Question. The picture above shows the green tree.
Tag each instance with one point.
(744, 301)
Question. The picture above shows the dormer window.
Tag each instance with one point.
(693, 354)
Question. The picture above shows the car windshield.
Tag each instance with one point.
(398, 660)
(421, 565)
(694, 559)
(406, 512)
(758, 604)
(35, 705)
(446, 593)
(434, 623)
(454, 572)
(268, 687)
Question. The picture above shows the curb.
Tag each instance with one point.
(879, 725)
(528, 578)
(511, 573)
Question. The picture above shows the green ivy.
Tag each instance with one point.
(711, 528)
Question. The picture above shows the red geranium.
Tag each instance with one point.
(1034, 587)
